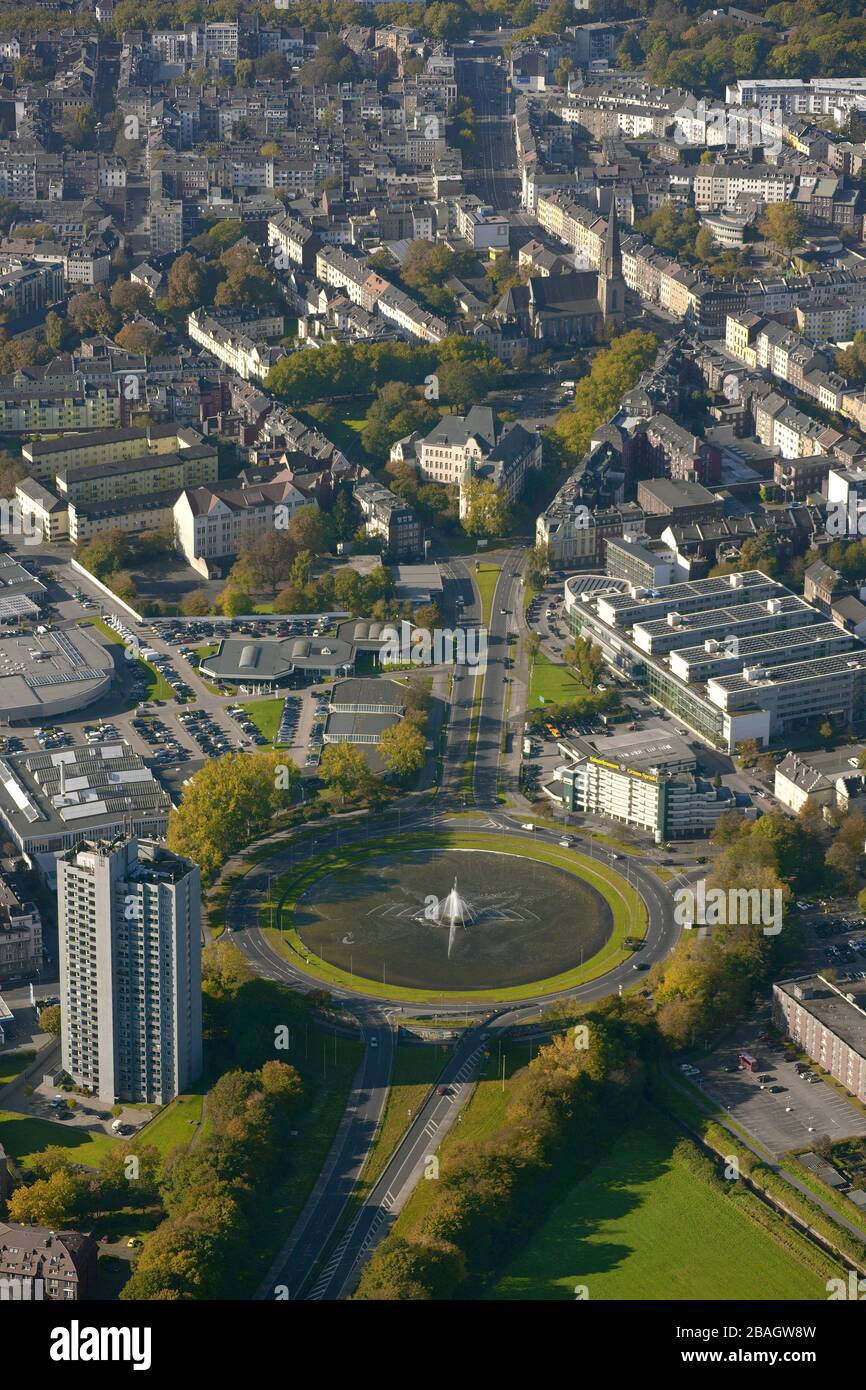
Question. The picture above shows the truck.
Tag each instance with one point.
(527, 748)
(748, 1062)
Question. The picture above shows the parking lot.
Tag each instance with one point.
(789, 1111)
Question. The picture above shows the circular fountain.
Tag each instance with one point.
(507, 919)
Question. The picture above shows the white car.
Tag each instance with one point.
(527, 825)
(566, 842)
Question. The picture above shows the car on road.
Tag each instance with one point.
(566, 842)
(374, 1042)
(443, 1090)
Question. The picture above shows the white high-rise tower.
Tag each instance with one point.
(130, 969)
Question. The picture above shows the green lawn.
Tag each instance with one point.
(486, 580)
(158, 688)
(643, 1226)
(266, 715)
(23, 1137)
(12, 1063)
(553, 682)
(209, 649)
(175, 1124)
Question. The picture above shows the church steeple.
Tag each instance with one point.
(611, 286)
(612, 251)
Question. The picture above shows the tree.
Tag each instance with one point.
(748, 750)
(264, 564)
(308, 530)
(228, 803)
(185, 282)
(402, 747)
(140, 338)
(598, 395)
(396, 412)
(12, 470)
(89, 313)
(77, 127)
(54, 330)
(52, 1202)
(487, 512)
(107, 552)
(465, 383)
(782, 224)
(333, 63)
(129, 299)
(344, 769)
(49, 1020)
(235, 602)
(195, 604)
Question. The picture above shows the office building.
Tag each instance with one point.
(735, 657)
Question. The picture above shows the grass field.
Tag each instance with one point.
(158, 688)
(266, 715)
(23, 1137)
(12, 1064)
(175, 1124)
(486, 580)
(553, 682)
(642, 1226)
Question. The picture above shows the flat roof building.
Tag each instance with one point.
(130, 969)
(270, 661)
(735, 657)
(48, 674)
(827, 1019)
(644, 780)
(51, 800)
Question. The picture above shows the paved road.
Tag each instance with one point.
(496, 683)
(301, 1258)
(341, 1169)
(484, 82)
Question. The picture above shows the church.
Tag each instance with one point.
(575, 307)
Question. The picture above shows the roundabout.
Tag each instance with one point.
(452, 917)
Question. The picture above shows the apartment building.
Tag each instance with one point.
(295, 239)
(44, 1264)
(130, 970)
(20, 935)
(46, 409)
(390, 518)
(27, 286)
(48, 457)
(719, 186)
(211, 523)
(237, 351)
(481, 225)
(828, 1022)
